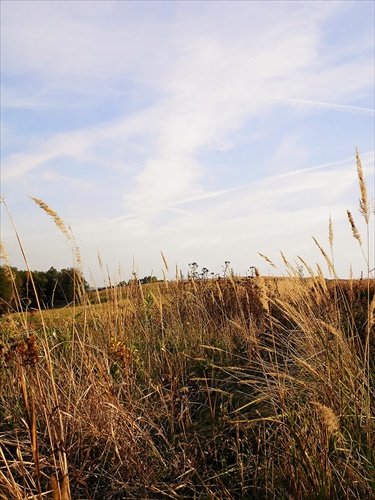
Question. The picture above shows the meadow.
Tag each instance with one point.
(231, 388)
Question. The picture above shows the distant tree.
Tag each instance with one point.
(71, 284)
(52, 287)
(29, 296)
(5, 288)
(52, 276)
(148, 279)
(10, 285)
(40, 282)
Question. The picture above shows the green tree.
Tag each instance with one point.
(10, 283)
(52, 288)
(71, 284)
(26, 289)
(52, 276)
(40, 282)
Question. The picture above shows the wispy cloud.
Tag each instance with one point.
(142, 113)
(343, 108)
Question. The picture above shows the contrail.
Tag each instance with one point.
(343, 108)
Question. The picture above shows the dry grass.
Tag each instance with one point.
(212, 389)
(193, 389)
(364, 205)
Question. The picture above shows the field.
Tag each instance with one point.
(252, 388)
(257, 388)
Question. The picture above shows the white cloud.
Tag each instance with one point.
(186, 80)
(279, 213)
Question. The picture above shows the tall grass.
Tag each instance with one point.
(222, 389)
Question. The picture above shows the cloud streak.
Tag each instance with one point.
(343, 108)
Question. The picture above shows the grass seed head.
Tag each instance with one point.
(57, 220)
(330, 232)
(355, 231)
(364, 205)
(329, 417)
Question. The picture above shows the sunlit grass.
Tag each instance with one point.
(224, 389)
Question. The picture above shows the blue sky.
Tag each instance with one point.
(210, 131)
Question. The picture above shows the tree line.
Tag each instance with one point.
(53, 288)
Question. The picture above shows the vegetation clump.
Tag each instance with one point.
(212, 388)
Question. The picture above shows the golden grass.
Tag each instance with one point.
(66, 230)
(190, 383)
(355, 231)
(223, 389)
(55, 217)
(364, 205)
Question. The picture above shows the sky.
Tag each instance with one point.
(206, 131)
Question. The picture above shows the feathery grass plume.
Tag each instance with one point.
(364, 205)
(330, 418)
(75, 247)
(100, 261)
(330, 237)
(330, 231)
(165, 262)
(267, 259)
(57, 220)
(356, 234)
(3, 254)
(67, 231)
